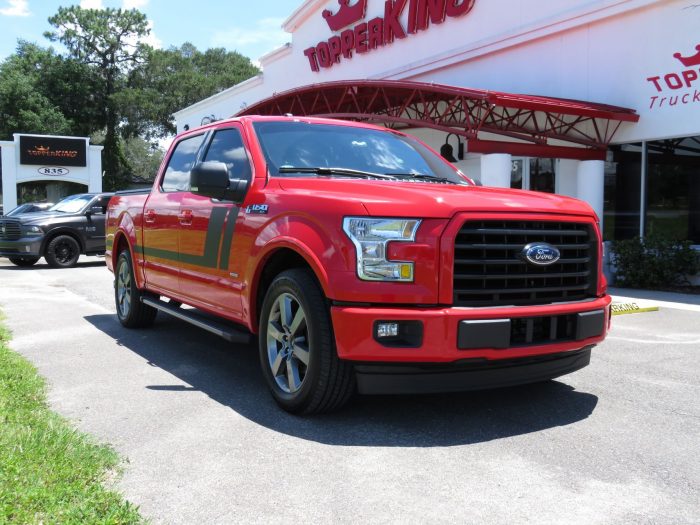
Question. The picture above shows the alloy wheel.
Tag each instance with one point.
(288, 343)
(124, 290)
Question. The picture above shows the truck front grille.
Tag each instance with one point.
(9, 230)
(490, 271)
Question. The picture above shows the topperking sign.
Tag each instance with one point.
(366, 36)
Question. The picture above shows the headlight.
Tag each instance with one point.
(33, 230)
(370, 237)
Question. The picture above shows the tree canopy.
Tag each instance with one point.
(109, 83)
(171, 79)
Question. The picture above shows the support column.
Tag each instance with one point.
(566, 177)
(496, 169)
(590, 185)
(94, 165)
(9, 175)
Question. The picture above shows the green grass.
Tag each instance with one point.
(49, 472)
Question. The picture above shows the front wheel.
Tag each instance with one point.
(297, 347)
(62, 252)
(24, 261)
(131, 312)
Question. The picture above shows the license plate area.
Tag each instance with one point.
(529, 331)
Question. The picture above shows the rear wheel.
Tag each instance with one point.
(297, 347)
(24, 261)
(62, 252)
(131, 312)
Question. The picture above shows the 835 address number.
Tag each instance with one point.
(53, 171)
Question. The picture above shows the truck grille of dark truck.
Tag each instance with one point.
(489, 269)
(9, 230)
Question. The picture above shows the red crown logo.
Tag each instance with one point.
(689, 61)
(43, 149)
(346, 15)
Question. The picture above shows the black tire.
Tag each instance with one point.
(24, 261)
(324, 383)
(62, 252)
(131, 312)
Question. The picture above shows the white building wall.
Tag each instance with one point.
(602, 51)
(14, 173)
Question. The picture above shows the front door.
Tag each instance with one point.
(206, 242)
(95, 225)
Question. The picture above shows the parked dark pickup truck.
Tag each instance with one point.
(73, 226)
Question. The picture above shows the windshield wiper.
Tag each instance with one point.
(345, 172)
(422, 176)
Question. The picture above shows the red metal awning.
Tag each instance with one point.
(530, 125)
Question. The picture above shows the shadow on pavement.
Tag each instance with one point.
(231, 376)
(41, 265)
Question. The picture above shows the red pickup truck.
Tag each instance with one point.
(361, 259)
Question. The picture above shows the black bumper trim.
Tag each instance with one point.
(417, 378)
(530, 331)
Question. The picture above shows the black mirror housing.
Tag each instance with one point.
(211, 179)
(95, 210)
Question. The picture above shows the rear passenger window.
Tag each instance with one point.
(227, 147)
(177, 174)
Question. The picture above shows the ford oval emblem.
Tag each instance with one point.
(541, 253)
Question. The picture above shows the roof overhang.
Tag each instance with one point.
(529, 125)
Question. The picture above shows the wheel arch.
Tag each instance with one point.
(123, 241)
(52, 234)
(274, 261)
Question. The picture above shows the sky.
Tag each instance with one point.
(250, 27)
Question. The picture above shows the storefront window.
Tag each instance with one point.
(673, 188)
(517, 174)
(542, 175)
(623, 175)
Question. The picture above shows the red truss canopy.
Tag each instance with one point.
(530, 125)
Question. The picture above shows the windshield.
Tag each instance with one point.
(340, 150)
(72, 204)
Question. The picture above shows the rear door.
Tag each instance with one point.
(208, 273)
(162, 219)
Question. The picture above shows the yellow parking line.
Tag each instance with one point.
(631, 308)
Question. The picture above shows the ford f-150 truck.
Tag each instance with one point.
(361, 259)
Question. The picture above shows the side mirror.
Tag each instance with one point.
(96, 210)
(211, 179)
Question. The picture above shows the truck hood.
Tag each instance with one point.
(39, 217)
(430, 200)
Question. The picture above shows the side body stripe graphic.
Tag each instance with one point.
(210, 258)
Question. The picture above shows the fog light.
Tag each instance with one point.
(387, 329)
(398, 334)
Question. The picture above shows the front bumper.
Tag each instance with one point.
(443, 331)
(23, 247)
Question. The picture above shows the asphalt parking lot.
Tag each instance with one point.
(617, 442)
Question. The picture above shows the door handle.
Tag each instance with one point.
(185, 217)
(149, 216)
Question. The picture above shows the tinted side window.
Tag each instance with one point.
(227, 147)
(102, 202)
(177, 174)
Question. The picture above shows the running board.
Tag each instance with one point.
(222, 329)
